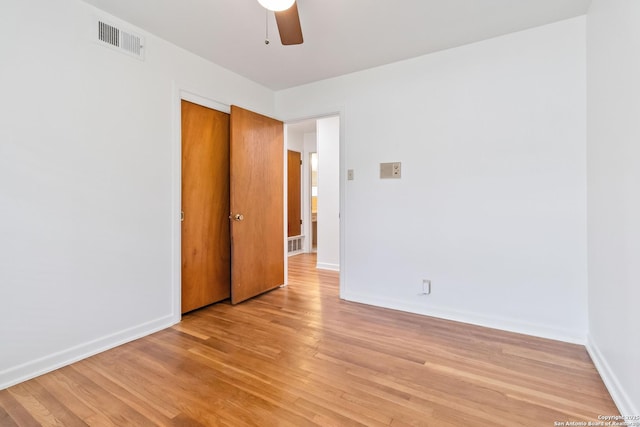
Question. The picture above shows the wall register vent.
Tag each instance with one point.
(121, 40)
(294, 245)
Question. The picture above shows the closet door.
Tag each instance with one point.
(257, 204)
(294, 188)
(206, 269)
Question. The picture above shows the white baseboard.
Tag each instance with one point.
(49, 363)
(616, 390)
(328, 266)
(510, 325)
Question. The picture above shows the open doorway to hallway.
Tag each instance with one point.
(318, 142)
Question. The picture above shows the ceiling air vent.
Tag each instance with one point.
(121, 40)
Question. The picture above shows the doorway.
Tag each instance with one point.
(319, 141)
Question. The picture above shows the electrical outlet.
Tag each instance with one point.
(396, 173)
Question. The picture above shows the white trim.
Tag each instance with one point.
(285, 199)
(327, 266)
(176, 206)
(342, 211)
(190, 96)
(616, 390)
(35, 368)
(504, 324)
(306, 198)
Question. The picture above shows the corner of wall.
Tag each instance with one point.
(618, 394)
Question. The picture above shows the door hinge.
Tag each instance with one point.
(300, 222)
(300, 162)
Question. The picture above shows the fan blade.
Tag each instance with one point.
(289, 26)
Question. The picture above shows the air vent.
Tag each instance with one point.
(294, 245)
(119, 39)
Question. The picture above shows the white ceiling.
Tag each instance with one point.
(340, 36)
(305, 126)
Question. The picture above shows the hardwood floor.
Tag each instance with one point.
(299, 356)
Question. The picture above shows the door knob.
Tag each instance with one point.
(238, 217)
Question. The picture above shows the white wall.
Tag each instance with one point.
(86, 157)
(328, 140)
(613, 188)
(295, 140)
(492, 202)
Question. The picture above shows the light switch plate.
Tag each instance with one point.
(391, 170)
(350, 174)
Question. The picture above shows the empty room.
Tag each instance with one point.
(460, 248)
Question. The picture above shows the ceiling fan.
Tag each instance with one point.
(287, 18)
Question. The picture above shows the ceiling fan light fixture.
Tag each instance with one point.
(276, 5)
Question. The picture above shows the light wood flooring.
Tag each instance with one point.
(299, 356)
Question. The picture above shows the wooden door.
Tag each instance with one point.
(294, 210)
(257, 204)
(206, 269)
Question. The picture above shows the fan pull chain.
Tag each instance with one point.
(266, 23)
